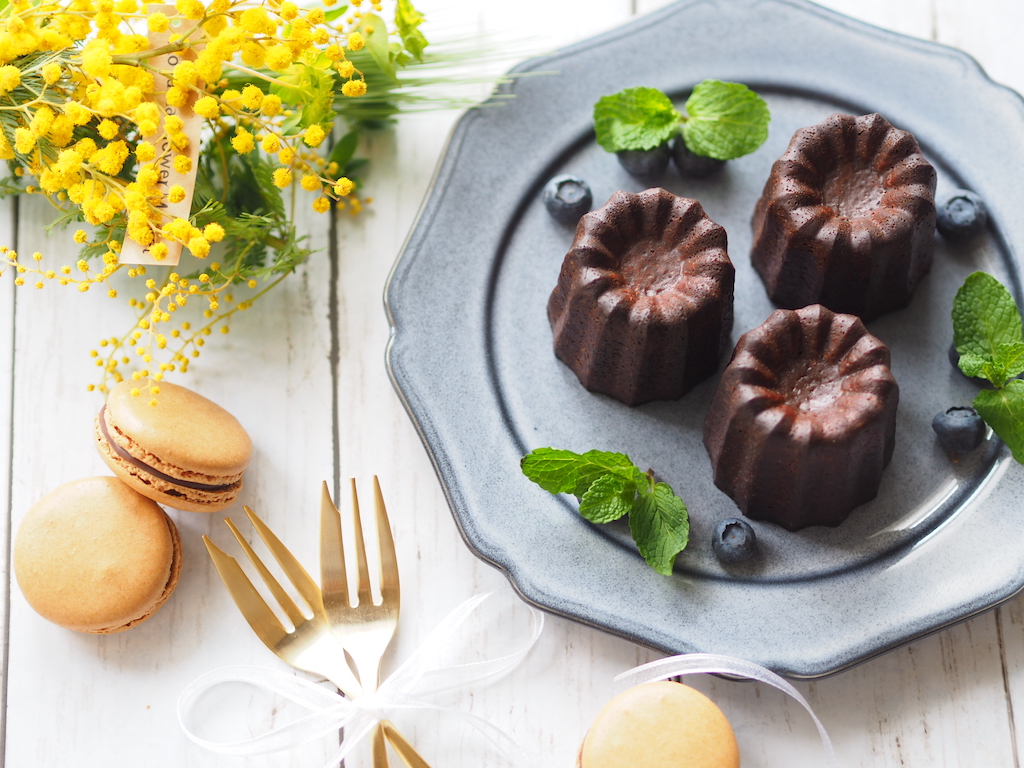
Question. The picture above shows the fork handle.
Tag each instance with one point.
(380, 748)
(405, 750)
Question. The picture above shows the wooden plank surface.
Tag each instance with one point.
(943, 701)
(7, 209)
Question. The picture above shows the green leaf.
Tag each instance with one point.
(337, 13)
(984, 317)
(293, 79)
(344, 149)
(408, 20)
(559, 471)
(973, 365)
(264, 175)
(290, 126)
(1011, 358)
(608, 498)
(375, 32)
(660, 527)
(609, 486)
(636, 118)
(1003, 410)
(724, 120)
(354, 166)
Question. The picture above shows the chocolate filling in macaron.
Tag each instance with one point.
(102, 422)
(185, 451)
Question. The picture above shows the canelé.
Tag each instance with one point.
(804, 418)
(643, 306)
(847, 218)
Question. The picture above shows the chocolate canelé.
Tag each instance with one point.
(804, 418)
(847, 218)
(643, 306)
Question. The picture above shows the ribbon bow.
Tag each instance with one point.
(421, 675)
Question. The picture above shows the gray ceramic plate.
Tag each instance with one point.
(471, 347)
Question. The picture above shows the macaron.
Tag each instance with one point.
(185, 451)
(97, 557)
(663, 724)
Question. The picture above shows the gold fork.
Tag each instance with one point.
(310, 645)
(364, 629)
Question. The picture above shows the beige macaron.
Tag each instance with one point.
(185, 451)
(664, 724)
(95, 556)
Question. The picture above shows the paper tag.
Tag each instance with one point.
(132, 252)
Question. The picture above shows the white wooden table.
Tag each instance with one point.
(947, 700)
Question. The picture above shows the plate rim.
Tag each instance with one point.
(423, 420)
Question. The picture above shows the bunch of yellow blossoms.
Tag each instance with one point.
(90, 92)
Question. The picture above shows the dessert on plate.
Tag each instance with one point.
(804, 418)
(643, 306)
(847, 218)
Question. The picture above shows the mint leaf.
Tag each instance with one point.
(558, 471)
(984, 316)
(1010, 357)
(973, 365)
(660, 527)
(1003, 365)
(724, 120)
(609, 486)
(636, 118)
(608, 498)
(1003, 410)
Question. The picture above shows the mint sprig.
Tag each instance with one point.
(722, 121)
(608, 486)
(726, 120)
(636, 118)
(987, 332)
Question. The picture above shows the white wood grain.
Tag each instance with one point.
(7, 208)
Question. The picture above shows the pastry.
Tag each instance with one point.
(643, 306)
(97, 557)
(186, 451)
(660, 725)
(847, 218)
(804, 418)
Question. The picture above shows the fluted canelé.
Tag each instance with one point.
(847, 218)
(643, 306)
(804, 418)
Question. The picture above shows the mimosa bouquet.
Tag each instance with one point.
(191, 127)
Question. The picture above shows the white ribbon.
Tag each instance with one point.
(421, 675)
(712, 663)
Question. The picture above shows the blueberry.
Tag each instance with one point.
(960, 429)
(734, 540)
(961, 216)
(645, 163)
(567, 198)
(692, 165)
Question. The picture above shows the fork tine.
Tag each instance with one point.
(293, 569)
(255, 610)
(295, 616)
(389, 589)
(363, 587)
(333, 578)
